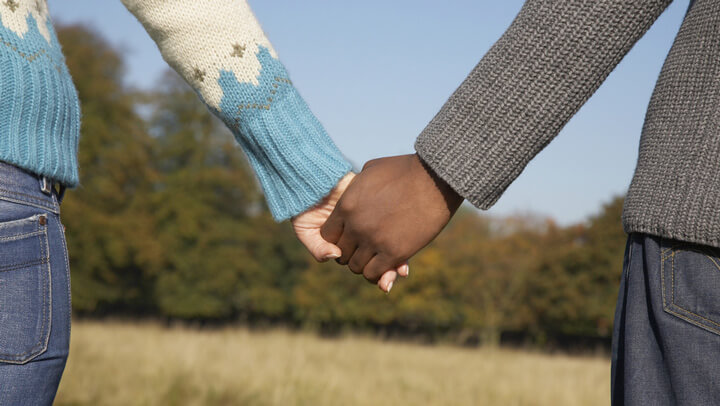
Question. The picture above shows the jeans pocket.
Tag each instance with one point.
(691, 283)
(25, 295)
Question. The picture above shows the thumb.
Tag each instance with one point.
(333, 227)
(325, 251)
(320, 249)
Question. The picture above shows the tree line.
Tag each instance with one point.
(169, 222)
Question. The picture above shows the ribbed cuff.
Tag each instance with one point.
(294, 159)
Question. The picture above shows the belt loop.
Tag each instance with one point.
(46, 185)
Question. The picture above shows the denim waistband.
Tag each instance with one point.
(19, 186)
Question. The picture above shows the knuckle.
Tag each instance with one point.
(397, 256)
(385, 242)
(399, 251)
(373, 162)
(370, 277)
(391, 259)
(346, 206)
(390, 250)
(317, 253)
(369, 230)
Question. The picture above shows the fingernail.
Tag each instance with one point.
(406, 269)
(331, 256)
(389, 287)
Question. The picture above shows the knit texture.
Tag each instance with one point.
(293, 157)
(218, 47)
(675, 192)
(39, 109)
(544, 68)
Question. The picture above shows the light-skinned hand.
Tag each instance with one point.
(307, 228)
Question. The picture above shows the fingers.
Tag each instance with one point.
(333, 228)
(320, 249)
(359, 259)
(324, 251)
(376, 267)
(404, 270)
(386, 281)
(389, 277)
(348, 246)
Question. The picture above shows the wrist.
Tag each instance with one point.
(328, 202)
(452, 198)
(339, 188)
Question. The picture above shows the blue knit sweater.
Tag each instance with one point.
(235, 72)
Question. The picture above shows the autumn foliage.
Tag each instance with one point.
(169, 223)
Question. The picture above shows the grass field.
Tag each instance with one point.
(146, 364)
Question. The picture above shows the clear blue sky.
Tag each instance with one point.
(375, 72)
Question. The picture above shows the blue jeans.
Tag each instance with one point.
(666, 338)
(34, 290)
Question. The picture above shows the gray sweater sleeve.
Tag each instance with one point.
(547, 64)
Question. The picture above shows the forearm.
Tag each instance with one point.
(219, 48)
(548, 63)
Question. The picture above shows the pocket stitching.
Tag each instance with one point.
(21, 236)
(717, 265)
(42, 344)
(24, 265)
(670, 307)
(44, 253)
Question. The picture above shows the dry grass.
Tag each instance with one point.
(145, 364)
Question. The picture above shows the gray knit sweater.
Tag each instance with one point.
(545, 67)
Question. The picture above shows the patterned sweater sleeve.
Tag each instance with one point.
(547, 64)
(219, 48)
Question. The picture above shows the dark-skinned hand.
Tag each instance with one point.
(307, 228)
(390, 211)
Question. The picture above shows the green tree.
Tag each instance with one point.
(575, 287)
(169, 221)
(109, 228)
(223, 255)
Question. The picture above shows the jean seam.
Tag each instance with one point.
(29, 196)
(34, 203)
(67, 270)
(673, 250)
(44, 338)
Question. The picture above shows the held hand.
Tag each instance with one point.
(392, 209)
(307, 228)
